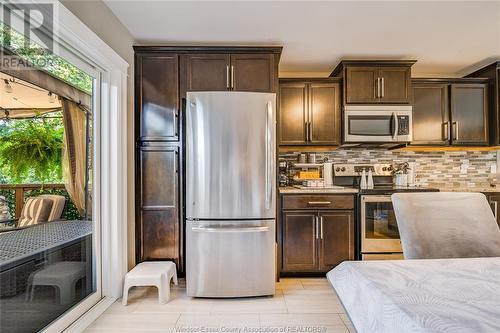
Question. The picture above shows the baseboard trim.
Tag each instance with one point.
(90, 316)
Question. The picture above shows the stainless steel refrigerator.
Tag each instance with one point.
(230, 194)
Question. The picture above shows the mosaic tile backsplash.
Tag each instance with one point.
(440, 169)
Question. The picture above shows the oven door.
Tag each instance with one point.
(379, 230)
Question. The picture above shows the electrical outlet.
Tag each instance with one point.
(493, 168)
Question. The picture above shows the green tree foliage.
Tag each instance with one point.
(31, 151)
(45, 60)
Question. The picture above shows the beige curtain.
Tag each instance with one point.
(74, 153)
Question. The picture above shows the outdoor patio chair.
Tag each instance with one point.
(39, 209)
(446, 225)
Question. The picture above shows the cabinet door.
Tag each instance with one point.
(207, 72)
(337, 239)
(494, 200)
(300, 242)
(159, 204)
(395, 85)
(253, 72)
(469, 112)
(361, 85)
(430, 114)
(292, 114)
(324, 106)
(158, 85)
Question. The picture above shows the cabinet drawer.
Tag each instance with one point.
(318, 202)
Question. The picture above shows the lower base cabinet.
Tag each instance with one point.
(316, 241)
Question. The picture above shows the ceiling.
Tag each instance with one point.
(446, 37)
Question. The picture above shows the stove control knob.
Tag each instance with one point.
(337, 169)
(384, 168)
(389, 168)
(343, 169)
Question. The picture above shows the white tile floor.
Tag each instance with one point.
(309, 303)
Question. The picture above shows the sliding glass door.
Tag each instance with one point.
(50, 243)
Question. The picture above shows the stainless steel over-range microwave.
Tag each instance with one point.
(377, 123)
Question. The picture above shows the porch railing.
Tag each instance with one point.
(21, 189)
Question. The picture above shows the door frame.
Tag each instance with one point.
(76, 43)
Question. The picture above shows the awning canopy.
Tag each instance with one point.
(24, 100)
(41, 80)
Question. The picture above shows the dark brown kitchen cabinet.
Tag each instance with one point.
(395, 85)
(293, 113)
(336, 239)
(375, 81)
(362, 85)
(450, 112)
(208, 72)
(158, 228)
(309, 112)
(492, 73)
(430, 114)
(300, 246)
(157, 82)
(469, 114)
(315, 238)
(255, 72)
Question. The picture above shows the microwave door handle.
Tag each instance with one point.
(394, 125)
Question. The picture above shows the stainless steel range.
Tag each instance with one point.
(377, 229)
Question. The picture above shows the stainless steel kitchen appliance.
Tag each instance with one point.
(230, 194)
(377, 229)
(377, 124)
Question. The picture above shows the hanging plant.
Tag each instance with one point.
(32, 149)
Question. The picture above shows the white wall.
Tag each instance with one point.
(99, 18)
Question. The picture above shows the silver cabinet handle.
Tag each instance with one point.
(319, 202)
(306, 125)
(227, 76)
(495, 208)
(310, 131)
(232, 77)
(321, 218)
(269, 154)
(446, 129)
(378, 87)
(232, 230)
(317, 226)
(455, 130)
(383, 87)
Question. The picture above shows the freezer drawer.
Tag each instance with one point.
(230, 258)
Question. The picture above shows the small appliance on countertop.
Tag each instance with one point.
(377, 230)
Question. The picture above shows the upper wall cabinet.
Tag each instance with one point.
(309, 112)
(492, 73)
(208, 72)
(450, 112)
(375, 82)
(469, 114)
(256, 72)
(157, 102)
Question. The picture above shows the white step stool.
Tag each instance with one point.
(151, 273)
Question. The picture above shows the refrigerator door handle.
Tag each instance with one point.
(269, 154)
(227, 230)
